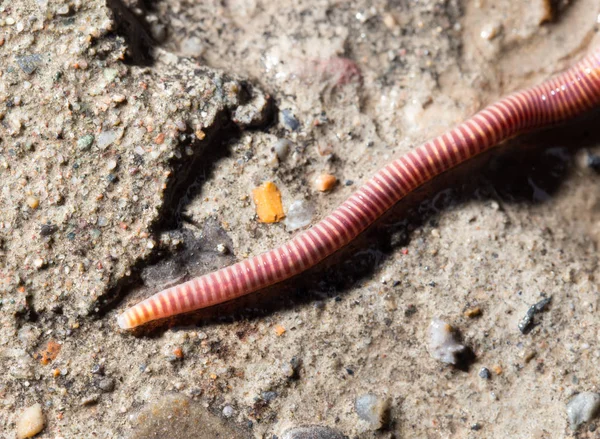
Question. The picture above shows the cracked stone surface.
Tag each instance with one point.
(131, 136)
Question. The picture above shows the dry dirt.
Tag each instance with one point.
(131, 137)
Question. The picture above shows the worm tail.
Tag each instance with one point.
(560, 98)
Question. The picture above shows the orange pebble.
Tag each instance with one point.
(268, 203)
(279, 330)
(325, 182)
(178, 353)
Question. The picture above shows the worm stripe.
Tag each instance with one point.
(555, 100)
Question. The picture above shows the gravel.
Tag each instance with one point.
(372, 409)
(443, 345)
(30, 422)
(582, 408)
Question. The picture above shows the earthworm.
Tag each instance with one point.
(558, 99)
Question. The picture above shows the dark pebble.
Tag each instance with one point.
(97, 369)
(526, 324)
(106, 385)
(289, 120)
(48, 229)
(476, 427)
(485, 373)
(349, 182)
(312, 432)
(350, 371)
(29, 63)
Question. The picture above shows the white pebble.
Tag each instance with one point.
(372, 409)
(442, 342)
(583, 407)
(192, 47)
(228, 411)
(105, 138)
(282, 148)
(299, 214)
(31, 422)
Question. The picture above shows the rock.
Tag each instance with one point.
(443, 345)
(282, 148)
(29, 63)
(312, 432)
(268, 203)
(106, 384)
(300, 214)
(372, 409)
(105, 138)
(583, 407)
(31, 422)
(84, 143)
(527, 322)
(325, 182)
(288, 120)
(228, 411)
(485, 373)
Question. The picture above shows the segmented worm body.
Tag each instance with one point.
(555, 100)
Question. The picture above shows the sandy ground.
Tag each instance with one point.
(131, 137)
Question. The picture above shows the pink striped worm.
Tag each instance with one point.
(558, 99)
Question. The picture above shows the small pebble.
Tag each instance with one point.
(63, 10)
(228, 411)
(84, 143)
(372, 409)
(300, 214)
(33, 202)
(527, 323)
(485, 373)
(288, 120)
(105, 138)
(282, 148)
(111, 164)
(48, 229)
(30, 422)
(268, 203)
(583, 407)
(106, 384)
(443, 345)
(325, 182)
(118, 99)
(222, 248)
(10, 21)
(28, 63)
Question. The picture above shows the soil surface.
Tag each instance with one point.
(131, 137)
